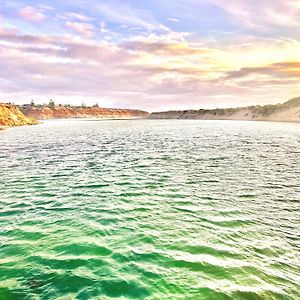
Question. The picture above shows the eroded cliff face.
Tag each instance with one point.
(286, 112)
(68, 112)
(10, 115)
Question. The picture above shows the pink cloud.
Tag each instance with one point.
(84, 29)
(74, 69)
(31, 14)
(163, 48)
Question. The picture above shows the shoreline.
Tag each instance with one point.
(40, 122)
(90, 119)
(285, 112)
(238, 120)
(12, 115)
(161, 119)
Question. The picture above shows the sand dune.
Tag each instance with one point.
(286, 112)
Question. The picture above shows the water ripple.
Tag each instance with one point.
(150, 210)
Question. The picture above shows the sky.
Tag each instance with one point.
(150, 54)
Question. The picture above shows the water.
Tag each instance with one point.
(150, 210)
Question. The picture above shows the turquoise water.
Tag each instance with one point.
(150, 210)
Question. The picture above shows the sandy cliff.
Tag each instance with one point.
(67, 112)
(286, 112)
(10, 115)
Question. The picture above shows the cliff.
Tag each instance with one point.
(286, 112)
(10, 115)
(68, 112)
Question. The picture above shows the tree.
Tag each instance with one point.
(32, 103)
(96, 105)
(51, 103)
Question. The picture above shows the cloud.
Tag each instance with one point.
(45, 7)
(103, 27)
(31, 14)
(121, 12)
(277, 70)
(74, 16)
(84, 29)
(173, 20)
(264, 15)
(152, 67)
(162, 48)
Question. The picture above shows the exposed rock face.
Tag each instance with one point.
(10, 115)
(286, 112)
(67, 112)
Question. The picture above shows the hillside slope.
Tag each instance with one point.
(286, 112)
(10, 115)
(67, 112)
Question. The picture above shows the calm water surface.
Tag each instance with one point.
(150, 210)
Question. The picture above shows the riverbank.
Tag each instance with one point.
(10, 116)
(74, 112)
(286, 112)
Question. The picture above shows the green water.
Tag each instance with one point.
(150, 210)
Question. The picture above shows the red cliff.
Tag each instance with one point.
(67, 112)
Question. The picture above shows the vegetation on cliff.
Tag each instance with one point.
(10, 115)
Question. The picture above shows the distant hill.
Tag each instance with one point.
(67, 112)
(286, 112)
